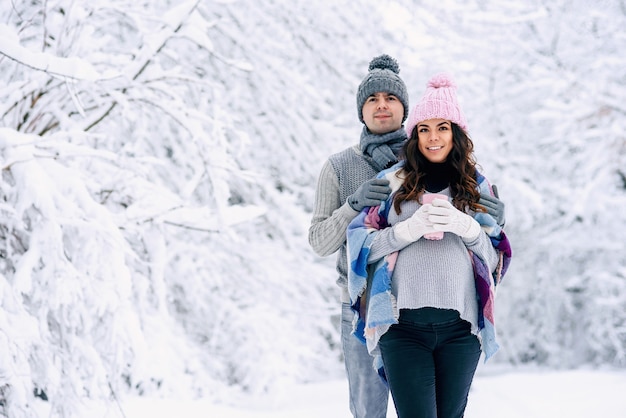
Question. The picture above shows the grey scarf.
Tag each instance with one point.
(382, 149)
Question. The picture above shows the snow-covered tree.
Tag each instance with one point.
(567, 157)
(158, 165)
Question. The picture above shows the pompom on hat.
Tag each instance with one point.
(439, 102)
(382, 77)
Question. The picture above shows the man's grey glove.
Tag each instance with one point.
(371, 193)
(494, 206)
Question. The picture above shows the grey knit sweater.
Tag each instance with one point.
(341, 175)
(430, 273)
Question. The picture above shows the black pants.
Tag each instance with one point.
(430, 358)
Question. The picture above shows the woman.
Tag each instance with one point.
(426, 305)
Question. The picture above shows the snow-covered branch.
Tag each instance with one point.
(72, 68)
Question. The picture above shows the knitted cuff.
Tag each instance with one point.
(403, 234)
(473, 231)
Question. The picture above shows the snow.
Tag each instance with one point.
(505, 394)
(153, 227)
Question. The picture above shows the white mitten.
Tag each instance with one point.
(447, 218)
(412, 229)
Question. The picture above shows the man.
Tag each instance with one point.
(346, 185)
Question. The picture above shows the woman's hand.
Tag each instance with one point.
(414, 228)
(447, 218)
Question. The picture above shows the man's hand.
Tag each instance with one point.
(494, 206)
(371, 193)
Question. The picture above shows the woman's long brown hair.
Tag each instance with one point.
(463, 186)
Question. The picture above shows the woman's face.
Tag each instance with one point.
(434, 139)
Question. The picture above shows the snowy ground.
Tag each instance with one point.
(526, 394)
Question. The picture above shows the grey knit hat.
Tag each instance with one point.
(382, 76)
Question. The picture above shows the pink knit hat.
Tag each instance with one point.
(439, 102)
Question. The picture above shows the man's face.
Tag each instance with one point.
(383, 113)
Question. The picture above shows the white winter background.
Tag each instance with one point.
(159, 161)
